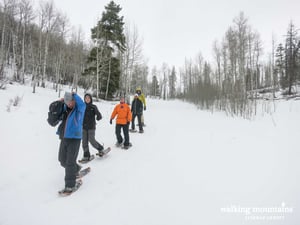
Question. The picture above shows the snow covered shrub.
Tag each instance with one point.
(14, 102)
(9, 105)
(3, 85)
(17, 100)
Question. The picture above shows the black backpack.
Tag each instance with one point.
(55, 112)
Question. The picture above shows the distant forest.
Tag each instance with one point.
(41, 45)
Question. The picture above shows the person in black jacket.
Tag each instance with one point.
(137, 111)
(89, 128)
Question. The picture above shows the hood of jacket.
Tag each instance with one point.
(90, 97)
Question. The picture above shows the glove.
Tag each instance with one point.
(144, 108)
(128, 123)
(110, 121)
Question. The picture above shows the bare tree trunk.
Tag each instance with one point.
(45, 60)
(23, 54)
(26, 15)
(98, 64)
(131, 59)
(51, 23)
(2, 52)
(108, 79)
(272, 69)
(57, 72)
(97, 74)
(34, 79)
(14, 43)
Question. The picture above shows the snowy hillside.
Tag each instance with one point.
(190, 167)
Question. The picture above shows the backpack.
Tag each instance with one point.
(55, 112)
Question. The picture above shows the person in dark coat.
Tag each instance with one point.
(137, 111)
(89, 128)
(142, 97)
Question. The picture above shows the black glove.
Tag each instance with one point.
(99, 118)
(144, 108)
(110, 121)
(128, 123)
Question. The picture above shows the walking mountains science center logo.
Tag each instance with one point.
(259, 213)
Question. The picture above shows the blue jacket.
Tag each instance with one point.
(74, 120)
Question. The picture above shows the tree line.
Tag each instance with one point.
(238, 74)
(41, 43)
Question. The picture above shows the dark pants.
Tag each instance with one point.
(67, 156)
(125, 132)
(139, 117)
(88, 136)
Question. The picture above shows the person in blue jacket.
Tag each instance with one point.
(70, 134)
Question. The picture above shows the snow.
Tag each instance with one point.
(189, 167)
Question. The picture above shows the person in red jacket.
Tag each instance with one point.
(124, 116)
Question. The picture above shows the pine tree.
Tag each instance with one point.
(280, 65)
(287, 60)
(291, 53)
(104, 59)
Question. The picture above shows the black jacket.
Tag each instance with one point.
(91, 113)
(137, 107)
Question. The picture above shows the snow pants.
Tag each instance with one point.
(139, 117)
(125, 128)
(67, 156)
(88, 136)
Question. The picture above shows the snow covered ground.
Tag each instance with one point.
(190, 167)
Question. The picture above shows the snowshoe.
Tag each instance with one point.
(103, 152)
(132, 130)
(118, 144)
(69, 190)
(86, 159)
(83, 172)
(126, 146)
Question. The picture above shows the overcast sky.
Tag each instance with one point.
(173, 30)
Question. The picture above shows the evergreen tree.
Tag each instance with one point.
(287, 60)
(280, 65)
(291, 53)
(104, 60)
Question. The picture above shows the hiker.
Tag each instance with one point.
(89, 129)
(70, 134)
(143, 99)
(123, 113)
(137, 111)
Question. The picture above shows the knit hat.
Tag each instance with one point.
(68, 97)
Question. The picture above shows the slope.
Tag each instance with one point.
(189, 167)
